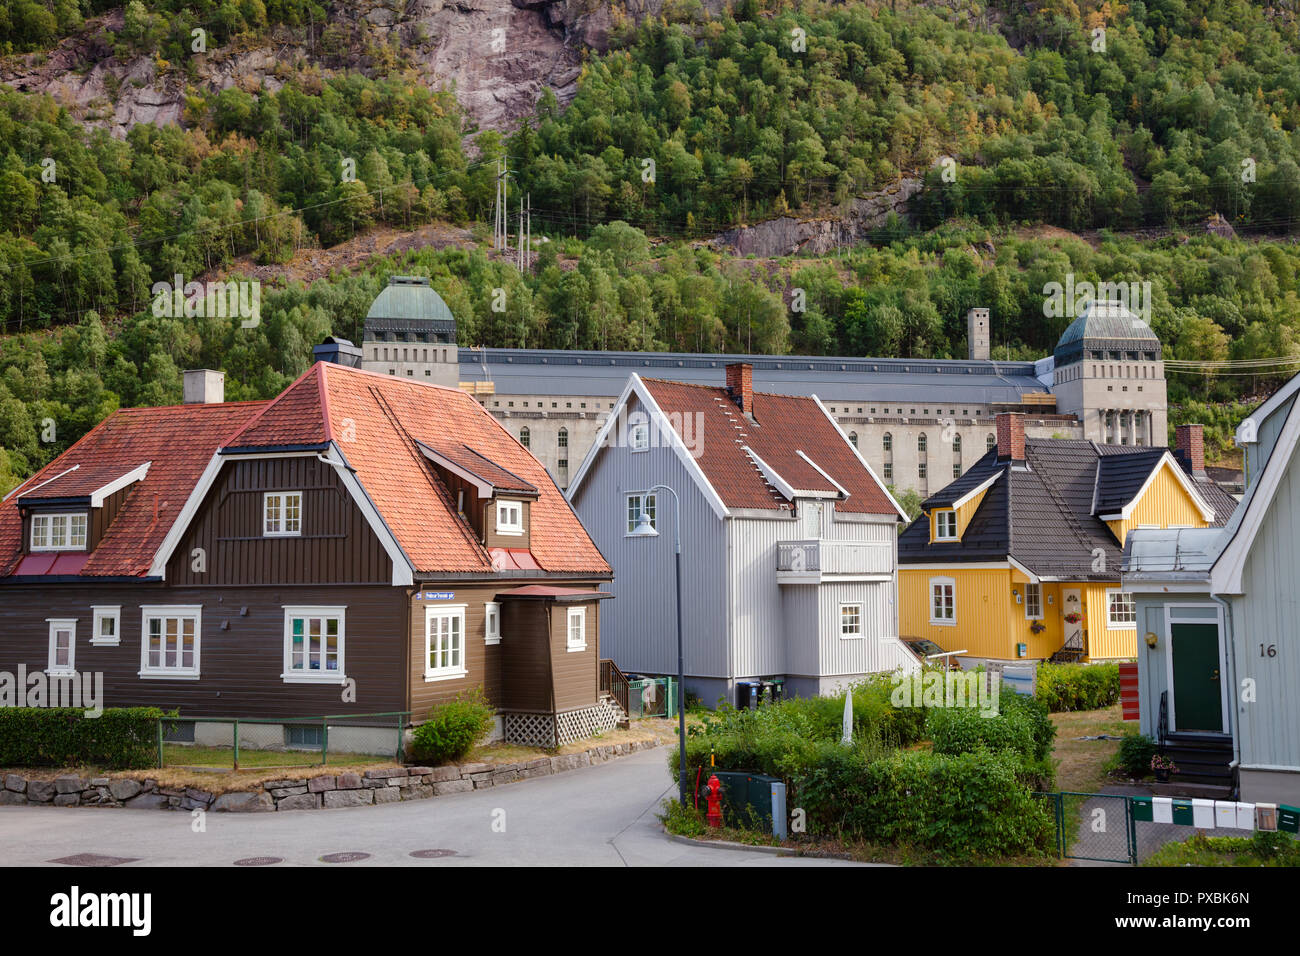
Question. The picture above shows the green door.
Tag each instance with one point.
(1198, 703)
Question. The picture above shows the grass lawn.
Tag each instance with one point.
(1081, 764)
(1262, 849)
(222, 758)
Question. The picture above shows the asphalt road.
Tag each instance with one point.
(594, 816)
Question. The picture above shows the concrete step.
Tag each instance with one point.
(1188, 789)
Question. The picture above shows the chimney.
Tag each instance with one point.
(203, 386)
(977, 334)
(1189, 447)
(339, 351)
(1011, 436)
(740, 385)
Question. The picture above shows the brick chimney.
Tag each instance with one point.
(1011, 436)
(740, 386)
(1189, 447)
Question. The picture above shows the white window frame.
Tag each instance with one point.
(451, 671)
(1111, 623)
(638, 436)
(281, 530)
(164, 611)
(291, 675)
(578, 614)
(943, 621)
(491, 622)
(940, 523)
(641, 498)
(48, 518)
(860, 633)
(106, 612)
(507, 525)
(1034, 589)
(59, 624)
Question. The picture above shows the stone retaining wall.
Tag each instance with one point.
(324, 791)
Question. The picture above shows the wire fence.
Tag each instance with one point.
(244, 743)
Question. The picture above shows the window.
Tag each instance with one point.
(990, 442)
(920, 471)
(850, 621)
(282, 513)
(639, 437)
(306, 736)
(313, 645)
(888, 442)
(853, 438)
(956, 444)
(444, 641)
(510, 517)
(945, 526)
(169, 645)
(107, 624)
(889, 471)
(921, 442)
(1120, 610)
(956, 470)
(563, 438)
(525, 437)
(63, 645)
(66, 532)
(577, 629)
(635, 505)
(491, 623)
(1034, 601)
(943, 601)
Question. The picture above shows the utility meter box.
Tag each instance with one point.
(1143, 809)
(1203, 814)
(1162, 809)
(1225, 815)
(1288, 818)
(1183, 814)
(1245, 816)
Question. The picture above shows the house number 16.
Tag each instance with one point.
(1269, 651)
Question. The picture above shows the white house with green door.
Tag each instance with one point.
(1218, 620)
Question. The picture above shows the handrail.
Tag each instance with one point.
(1162, 728)
(615, 682)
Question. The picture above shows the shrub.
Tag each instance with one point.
(120, 738)
(1077, 686)
(1135, 753)
(1021, 725)
(959, 806)
(452, 729)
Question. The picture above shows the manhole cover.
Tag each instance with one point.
(93, 859)
(432, 854)
(259, 861)
(344, 857)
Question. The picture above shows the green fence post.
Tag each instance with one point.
(324, 741)
(160, 743)
(401, 751)
(236, 744)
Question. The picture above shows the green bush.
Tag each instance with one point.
(452, 729)
(1135, 753)
(120, 738)
(1077, 686)
(960, 806)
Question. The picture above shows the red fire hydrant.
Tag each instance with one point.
(713, 794)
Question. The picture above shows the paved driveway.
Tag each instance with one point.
(602, 815)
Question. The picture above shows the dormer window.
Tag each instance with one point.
(282, 513)
(59, 532)
(639, 437)
(510, 517)
(945, 526)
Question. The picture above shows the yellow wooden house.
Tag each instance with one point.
(1019, 558)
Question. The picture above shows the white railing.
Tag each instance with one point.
(814, 555)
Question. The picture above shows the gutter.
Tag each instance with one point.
(1231, 659)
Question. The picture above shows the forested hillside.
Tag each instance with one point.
(1114, 122)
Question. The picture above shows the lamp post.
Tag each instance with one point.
(644, 529)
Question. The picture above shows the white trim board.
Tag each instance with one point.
(858, 455)
(1166, 460)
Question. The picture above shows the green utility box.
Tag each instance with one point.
(1143, 809)
(1183, 813)
(1288, 818)
(746, 797)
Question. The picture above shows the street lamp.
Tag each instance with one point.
(644, 529)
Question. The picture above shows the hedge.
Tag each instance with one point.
(452, 729)
(120, 738)
(1077, 686)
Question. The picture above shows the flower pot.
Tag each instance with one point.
(1162, 776)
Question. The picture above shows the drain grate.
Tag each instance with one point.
(93, 859)
(259, 861)
(349, 857)
(432, 854)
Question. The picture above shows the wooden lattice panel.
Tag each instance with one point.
(586, 722)
(530, 730)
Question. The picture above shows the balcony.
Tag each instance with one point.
(813, 560)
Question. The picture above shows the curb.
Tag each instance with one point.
(769, 850)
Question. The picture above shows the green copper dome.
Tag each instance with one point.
(1106, 320)
(409, 298)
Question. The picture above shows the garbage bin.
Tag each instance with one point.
(747, 692)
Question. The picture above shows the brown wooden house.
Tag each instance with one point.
(359, 544)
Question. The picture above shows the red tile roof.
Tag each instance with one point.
(783, 426)
(78, 481)
(376, 422)
(178, 441)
